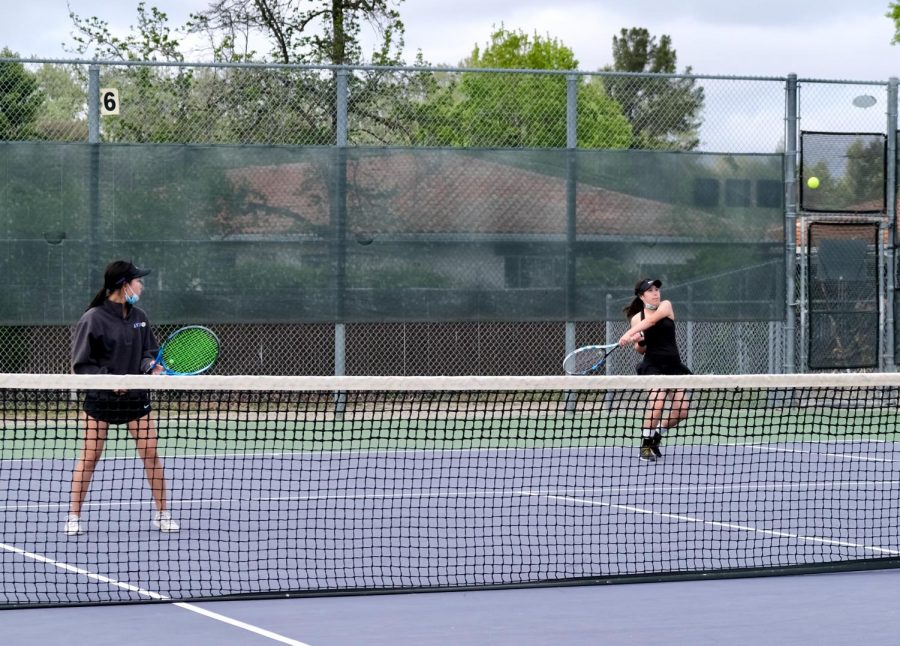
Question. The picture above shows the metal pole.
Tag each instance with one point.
(790, 222)
(890, 194)
(93, 106)
(571, 211)
(571, 217)
(608, 328)
(689, 350)
(339, 207)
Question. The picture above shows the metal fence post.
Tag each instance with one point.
(571, 211)
(93, 107)
(888, 350)
(790, 221)
(571, 216)
(689, 346)
(339, 207)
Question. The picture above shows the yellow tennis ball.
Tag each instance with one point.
(813, 182)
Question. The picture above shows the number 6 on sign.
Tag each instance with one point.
(109, 101)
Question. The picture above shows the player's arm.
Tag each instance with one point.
(630, 337)
(83, 361)
(640, 346)
(637, 325)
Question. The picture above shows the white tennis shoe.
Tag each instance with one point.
(73, 526)
(162, 520)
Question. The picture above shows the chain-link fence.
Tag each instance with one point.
(423, 221)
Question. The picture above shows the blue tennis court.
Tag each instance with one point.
(822, 609)
(499, 513)
(412, 519)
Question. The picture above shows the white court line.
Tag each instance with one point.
(809, 442)
(713, 523)
(342, 453)
(477, 493)
(240, 624)
(425, 452)
(151, 595)
(842, 456)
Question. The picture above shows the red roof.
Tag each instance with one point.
(449, 192)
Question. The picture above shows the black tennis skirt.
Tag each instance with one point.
(647, 368)
(106, 406)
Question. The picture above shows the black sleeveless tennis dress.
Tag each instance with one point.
(661, 357)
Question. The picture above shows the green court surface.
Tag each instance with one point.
(274, 431)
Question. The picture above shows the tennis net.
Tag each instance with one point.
(283, 486)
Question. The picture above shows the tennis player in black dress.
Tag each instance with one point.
(652, 333)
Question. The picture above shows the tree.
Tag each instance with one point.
(327, 32)
(20, 100)
(294, 106)
(521, 110)
(664, 112)
(865, 171)
(894, 14)
(151, 40)
(62, 116)
(857, 186)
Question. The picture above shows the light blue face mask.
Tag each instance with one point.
(132, 298)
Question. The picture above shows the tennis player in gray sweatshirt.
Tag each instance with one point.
(114, 337)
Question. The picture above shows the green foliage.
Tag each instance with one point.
(601, 123)
(664, 112)
(159, 103)
(20, 101)
(152, 41)
(858, 186)
(62, 115)
(517, 50)
(894, 14)
(177, 104)
(829, 190)
(234, 105)
(326, 31)
(865, 170)
(518, 109)
(386, 106)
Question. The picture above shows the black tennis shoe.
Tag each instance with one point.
(654, 444)
(646, 453)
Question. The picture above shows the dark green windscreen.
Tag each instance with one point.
(307, 234)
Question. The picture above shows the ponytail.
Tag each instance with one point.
(98, 299)
(636, 306)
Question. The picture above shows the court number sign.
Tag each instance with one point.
(109, 101)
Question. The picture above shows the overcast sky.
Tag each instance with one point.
(831, 39)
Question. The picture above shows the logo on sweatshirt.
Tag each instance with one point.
(138, 324)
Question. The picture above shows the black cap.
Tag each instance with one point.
(645, 284)
(120, 272)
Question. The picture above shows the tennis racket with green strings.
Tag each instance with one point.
(189, 351)
(589, 359)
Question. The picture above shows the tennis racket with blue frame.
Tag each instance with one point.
(189, 350)
(589, 359)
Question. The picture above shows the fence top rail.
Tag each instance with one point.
(413, 68)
